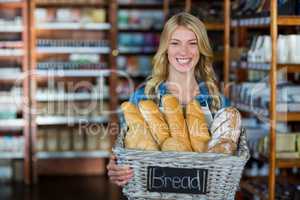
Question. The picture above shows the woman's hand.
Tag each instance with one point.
(119, 175)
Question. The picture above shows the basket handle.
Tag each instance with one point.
(243, 150)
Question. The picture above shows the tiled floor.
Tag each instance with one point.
(62, 188)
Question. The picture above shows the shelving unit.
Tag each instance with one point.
(139, 26)
(73, 63)
(271, 22)
(14, 68)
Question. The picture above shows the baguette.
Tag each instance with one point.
(198, 130)
(138, 135)
(175, 119)
(155, 120)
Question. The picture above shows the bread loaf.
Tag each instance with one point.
(225, 128)
(138, 135)
(224, 146)
(175, 119)
(155, 120)
(197, 126)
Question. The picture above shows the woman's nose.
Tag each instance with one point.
(184, 50)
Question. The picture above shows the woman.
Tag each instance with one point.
(182, 67)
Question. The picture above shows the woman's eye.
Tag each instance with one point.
(193, 43)
(174, 43)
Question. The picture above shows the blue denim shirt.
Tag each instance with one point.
(204, 97)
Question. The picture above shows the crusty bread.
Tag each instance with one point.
(175, 119)
(198, 130)
(224, 146)
(138, 136)
(225, 128)
(155, 120)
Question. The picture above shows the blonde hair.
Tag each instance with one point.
(203, 70)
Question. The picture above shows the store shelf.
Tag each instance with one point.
(255, 22)
(142, 30)
(288, 163)
(12, 77)
(288, 20)
(65, 120)
(73, 154)
(73, 26)
(288, 117)
(70, 4)
(11, 52)
(281, 116)
(11, 155)
(214, 26)
(12, 124)
(137, 50)
(70, 97)
(251, 109)
(73, 73)
(290, 68)
(140, 6)
(67, 50)
(283, 163)
(264, 22)
(12, 4)
(11, 28)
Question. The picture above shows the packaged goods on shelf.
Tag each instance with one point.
(260, 49)
(85, 15)
(52, 139)
(262, 8)
(140, 2)
(257, 95)
(71, 1)
(64, 139)
(286, 146)
(135, 65)
(78, 138)
(92, 140)
(12, 144)
(140, 19)
(70, 43)
(41, 139)
(78, 141)
(138, 42)
(209, 11)
(104, 142)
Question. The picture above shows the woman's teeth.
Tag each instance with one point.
(183, 61)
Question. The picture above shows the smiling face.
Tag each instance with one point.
(183, 51)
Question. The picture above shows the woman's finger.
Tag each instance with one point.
(119, 172)
(121, 183)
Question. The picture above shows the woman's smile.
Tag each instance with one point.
(183, 61)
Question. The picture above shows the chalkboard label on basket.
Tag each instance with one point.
(177, 180)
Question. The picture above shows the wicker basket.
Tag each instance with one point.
(224, 171)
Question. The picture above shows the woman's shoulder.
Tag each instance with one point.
(138, 95)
